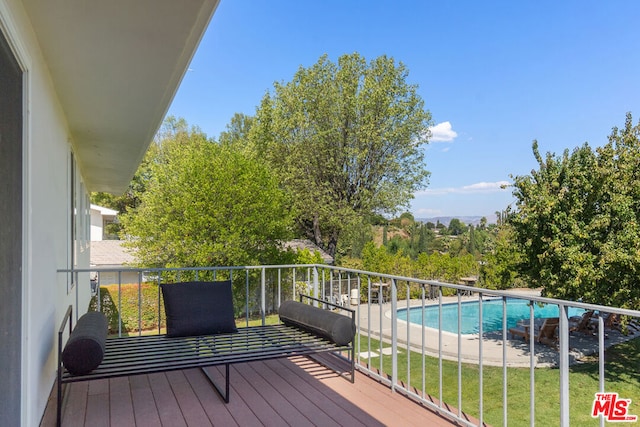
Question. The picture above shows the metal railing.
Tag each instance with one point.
(387, 347)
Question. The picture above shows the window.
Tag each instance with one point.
(79, 223)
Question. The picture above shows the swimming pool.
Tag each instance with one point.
(517, 309)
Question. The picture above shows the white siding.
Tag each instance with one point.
(46, 212)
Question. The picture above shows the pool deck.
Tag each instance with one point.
(517, 352)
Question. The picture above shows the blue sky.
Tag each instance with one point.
(494, 75)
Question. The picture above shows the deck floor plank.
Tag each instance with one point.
(193, 412)
(215, 408)
(255, 398)
(168, 408)
(237, 406)
(77, 404)
(274, 397)
(323, 398)
(120, 404)
(295, 391)
(380, 400)
(99, 387)
(145, 410)
(303, 396)
(98, 410)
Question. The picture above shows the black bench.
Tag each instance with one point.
(125, 356)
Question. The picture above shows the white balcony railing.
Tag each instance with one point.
(400, 354)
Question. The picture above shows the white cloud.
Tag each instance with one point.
(479, 187)
(443, 132)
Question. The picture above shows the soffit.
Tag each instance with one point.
(116, 66)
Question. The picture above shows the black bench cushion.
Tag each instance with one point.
(85, 347)
(333, 326)
(198, 308)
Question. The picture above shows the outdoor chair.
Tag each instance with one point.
(581, 323)
(521, 331)
(546, 334)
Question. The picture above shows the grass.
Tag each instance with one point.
(622, 374)
(622, 371)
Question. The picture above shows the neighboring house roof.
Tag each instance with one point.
(104, 211)
(300, 244)
(110, 253)
(116, 66)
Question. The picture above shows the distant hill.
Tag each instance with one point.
(468, 220)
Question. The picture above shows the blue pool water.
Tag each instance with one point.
(491, 315)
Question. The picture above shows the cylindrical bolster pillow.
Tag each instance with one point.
(327, 324)
(85, 347)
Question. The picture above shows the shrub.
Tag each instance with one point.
(125, 303)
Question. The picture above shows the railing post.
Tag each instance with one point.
(564, 365)
(504, 362)
(294, 285)
(601, 360)
(480, 359)
(315, 284)
(139, 303)
(279, 286)
(394, 335)
(263, 284)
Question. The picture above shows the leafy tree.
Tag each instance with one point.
(445, 268)
(426, 237)
(355, 237)
(472, 243)
(346, 140)
(456, 227)
(500, 267)
(381, 260)
(206, 205)
(237, 131)
(406, 219)
(578, 221)
(483, 223)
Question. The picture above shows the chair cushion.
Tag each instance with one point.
(85, 347)
(198, 308)
(327, 324)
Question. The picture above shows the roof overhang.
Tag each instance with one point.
(116, 66)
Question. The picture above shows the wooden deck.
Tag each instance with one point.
(295, 392)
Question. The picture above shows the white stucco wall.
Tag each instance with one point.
(96, 225)
(46, 213)
(98, 215)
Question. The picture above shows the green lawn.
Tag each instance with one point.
(622, 375)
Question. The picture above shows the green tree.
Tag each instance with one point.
(500, 267)
(472, 243)
(237, 131)
(445, 268)
(346, 140)
(456, 227)
(483, 223)
(578, 221)
(355, 237)
(380, 259)
(206, 205)
(426, 237)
